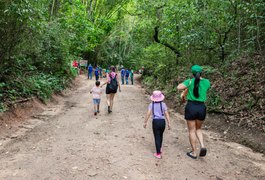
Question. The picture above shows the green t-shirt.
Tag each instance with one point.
(203, 88)
(131, 73)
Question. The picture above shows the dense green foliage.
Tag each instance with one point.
(39, 38)
(226, 37)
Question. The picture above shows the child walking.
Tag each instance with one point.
(158, 109)
(96, 92)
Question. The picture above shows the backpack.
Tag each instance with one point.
(122, 72)
(113, 84)
(96, 72)
(127, 73)
(90, 69)
(153, 104)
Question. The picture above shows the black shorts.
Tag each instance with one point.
(110, 91)
(195, 110)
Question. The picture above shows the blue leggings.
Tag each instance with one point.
(158, 130)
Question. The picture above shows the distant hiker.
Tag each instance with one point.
(195, 110)
(97, 73)
(96, 91)
(131, 75)
(75, 65)
(111, 89)
(122, 75)
(90, 70)
(127, 74)
(100, 72)
(158, 109)
(106, 72)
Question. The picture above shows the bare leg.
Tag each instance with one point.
(199, 132)
(95, 108)
(108, 99)
(108, 102)
(111, 100)
(98, 108)
(192, 135)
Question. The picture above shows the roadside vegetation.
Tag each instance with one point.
(39, 39)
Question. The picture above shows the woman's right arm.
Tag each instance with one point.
(181, 86)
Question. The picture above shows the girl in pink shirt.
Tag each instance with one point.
(96, 92)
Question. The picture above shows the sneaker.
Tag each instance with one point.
(95, 113)
(158, 156)
(98, 111)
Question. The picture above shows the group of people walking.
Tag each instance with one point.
(195, 113)
(126, 74)
(195, 109)
(111, 89)
(98, 72)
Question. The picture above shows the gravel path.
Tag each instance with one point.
(66, 141)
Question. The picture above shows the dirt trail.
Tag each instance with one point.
(67, 141)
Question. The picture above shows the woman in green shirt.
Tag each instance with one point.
(195, 110)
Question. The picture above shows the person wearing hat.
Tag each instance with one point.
(195, 110)
(158, 109)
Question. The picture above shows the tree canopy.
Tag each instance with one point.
(40, 38)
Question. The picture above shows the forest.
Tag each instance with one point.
(40, 38)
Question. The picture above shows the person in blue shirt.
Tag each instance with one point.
(122, 75)
(100, 72)
(127, 74)
(90, 70)
(97, 73)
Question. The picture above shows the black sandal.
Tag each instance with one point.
(190, 155)
(203, 152)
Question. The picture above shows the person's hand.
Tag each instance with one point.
(169, 127)
(145, 124)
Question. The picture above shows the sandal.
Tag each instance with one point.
(203, 152)
(190, 155)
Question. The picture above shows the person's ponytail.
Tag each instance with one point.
(196, 84)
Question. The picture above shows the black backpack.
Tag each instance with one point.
(113, 84)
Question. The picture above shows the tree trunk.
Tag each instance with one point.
(52, 9)
(177, 53)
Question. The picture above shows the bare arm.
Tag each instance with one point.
(104, 84)
(168, 120)
(181, 87)
(148, 114)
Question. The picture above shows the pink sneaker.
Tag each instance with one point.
(158, 156)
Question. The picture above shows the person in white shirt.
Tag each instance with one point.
(96, 91)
